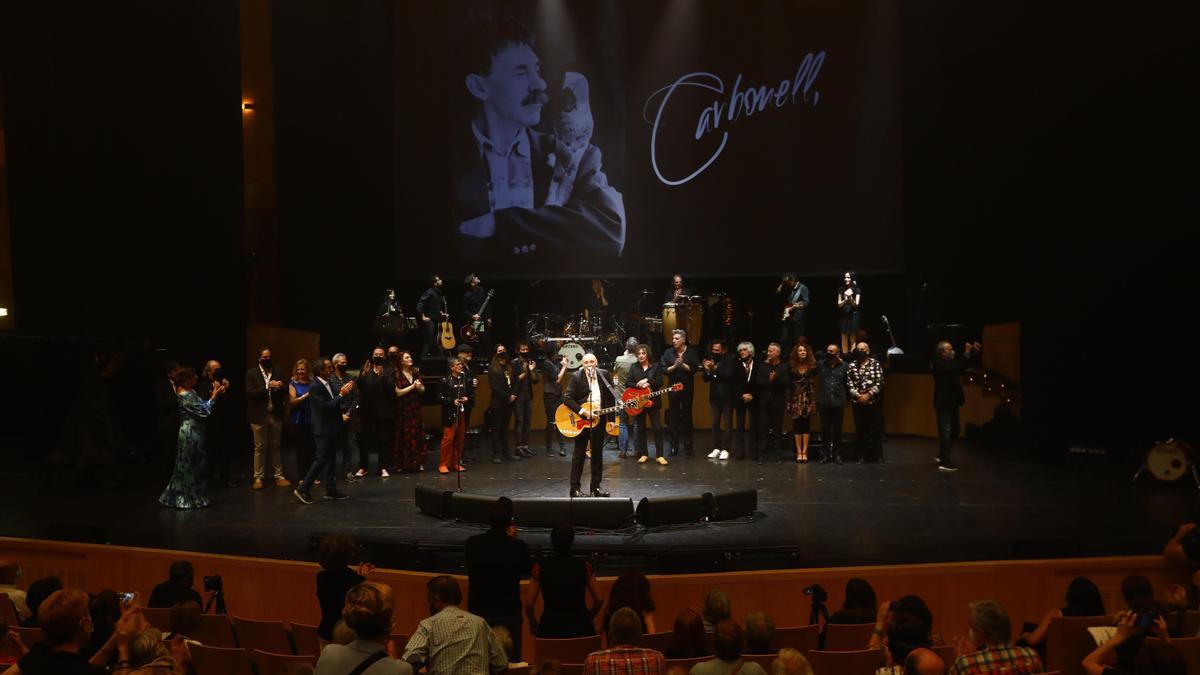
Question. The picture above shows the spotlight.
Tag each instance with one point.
(3, 311)
(247, 106)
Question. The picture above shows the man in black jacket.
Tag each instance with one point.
(831, 401)
(218, 429)
(266, 404)
(528, 374)
(496, 561)
(777, 382)
(166, 401)
(948, 395)
(326, 427)
(503, 379)
(747, 387)
(588, 385)
(554, 374)
(431, 307)
(681, 363)
(718, 366)
(456, 396)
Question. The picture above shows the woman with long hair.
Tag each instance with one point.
(186, 489)
(632, 590)
(563, 580)
(802, 398)
(408, 452)
(298, 429)
(848, 302)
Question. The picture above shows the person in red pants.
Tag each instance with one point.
(456, 396)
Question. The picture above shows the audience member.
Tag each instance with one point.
(11, 647)
(1184, 547)
(336, 579)
(177, 587)
(688, 640)
(717, 608)
(343, 634)
(991, 631)
(1128, 652)
(729, 643)
(10, 575)
(143, 652)
(36, 595)
(1083, 599)
(760, 631)
(506, 644)
(563, 579)
(858, 606)
(908, 605)
(65, 622)
(923, 662)
(632, 590)
(1137, 592)
(452, 641)
(105, 610)
(368, 611)
(496, 561)
(548, 667)
(905, 633)
(623, 655)
(791, 662)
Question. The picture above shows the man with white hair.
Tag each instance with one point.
(746, 388)
(591, 386)
(989, 649)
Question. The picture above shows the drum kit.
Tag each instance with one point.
(1170, 460)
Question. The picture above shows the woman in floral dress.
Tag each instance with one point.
(409, 447)
(187, 489)
(801, 398)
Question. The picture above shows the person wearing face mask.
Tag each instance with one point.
(591, 385)
(554, 375)
(948, 395)
(218, 435)
(503, 379)
(266, 403)
(528, 374)
(831, 403)
(376, 385)
(864, 381)
(347, 440)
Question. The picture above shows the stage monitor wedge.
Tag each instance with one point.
(655, 511)
(729, 505)
(433, 502)
(597, 513)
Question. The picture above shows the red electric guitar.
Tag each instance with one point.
(636, 400)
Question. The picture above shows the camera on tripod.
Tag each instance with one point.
(213, 584)
(216, 593)
(818, 597)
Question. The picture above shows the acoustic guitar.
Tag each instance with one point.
(571, 423)
(446, 331)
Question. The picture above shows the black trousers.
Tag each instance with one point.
(722, 423)
(773, 407)
(832, 417)
(551, 403)
(868, 432)
(219, 444)
(580, 454)
(347, 448)
(744, 412)
(637, 427)
(323, 466)
(430, 344)
(791, 331)
(377, 436)
(523, 412)
(947, 424)
(501, 415)
(679, 420)
(300, 439)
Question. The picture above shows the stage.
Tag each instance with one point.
(998, 506)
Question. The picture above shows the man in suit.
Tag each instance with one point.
(326, 427)
(519, 194)
(503, 378)
(588, 385)
(747, 386)
(166, 401)
(948, 395)
(219, 437)
(266, 403)
(680, 363)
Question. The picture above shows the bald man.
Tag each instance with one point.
(589, 385)
(218, 428)
(922, 661)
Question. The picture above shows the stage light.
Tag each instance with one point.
(3, 311)
(247, 106)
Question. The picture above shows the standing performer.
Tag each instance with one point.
(849, 299)
(474, 311)
(589, 384)
(432, 308)
(801, 399)
(681, 363)
(774, 401)
(646, 374)
(266, 402)
(376, 386)
(948, 395)
(554, 375)
(621, 366)
(795, 302)
(388, 316)
(864, 380)
(408, 449)
(597, 301)
(718, 372)
(186, 489)
(347, 443)
(466, 354)
(832, 403)
(677, 292)
(503, 379)
(748, 383)
(528, 374)
(456, 395)
(297, 430)
(326, 415)
(218, 432)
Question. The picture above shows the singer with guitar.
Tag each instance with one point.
(646, 374)
(794, 297)
(476, 315)
(433, 304)
(589, 385)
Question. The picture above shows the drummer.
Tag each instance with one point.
(678, 292)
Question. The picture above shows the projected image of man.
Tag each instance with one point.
(518, 191)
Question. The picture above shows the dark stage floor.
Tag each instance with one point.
(998, 506)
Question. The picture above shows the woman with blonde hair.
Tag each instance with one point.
(298, 425)
(369, 612)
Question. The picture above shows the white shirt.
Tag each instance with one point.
(511, 170)
(326, 384)
(594, 384)
(267, 382)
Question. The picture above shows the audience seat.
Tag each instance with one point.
(8, 610)
(861, 662)
(1191, 623)
(215, 631)
(568, 650)
(1068, 642)
(269, 636)
(847, 637)
(1190, 648)
(571, 669)
(519, 670)
(305, 639)
(946, 653)
(401, 641)
(29, 636)
(801, 638)
(159, 617)
(270, 663)
(687, 663)
(220, 661)
(660, 641)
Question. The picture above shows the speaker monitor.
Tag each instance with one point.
(654, 511)
(470, 508)
(433, 502)
(601, 514)
(729, 505)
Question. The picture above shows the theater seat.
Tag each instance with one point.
(566, 650)
(861, 662)
(220, 661)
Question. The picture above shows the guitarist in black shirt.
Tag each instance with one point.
(477, 314)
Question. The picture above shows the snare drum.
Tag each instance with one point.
(573, 351)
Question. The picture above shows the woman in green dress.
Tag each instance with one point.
(187, 489)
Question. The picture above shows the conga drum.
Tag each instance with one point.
(692, 321)
(670, 320)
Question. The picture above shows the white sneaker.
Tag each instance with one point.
(713, 454)
(724, 455)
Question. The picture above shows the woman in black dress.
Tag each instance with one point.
(632, 590)
(563, 579)
(849, 300)
(335, 579)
